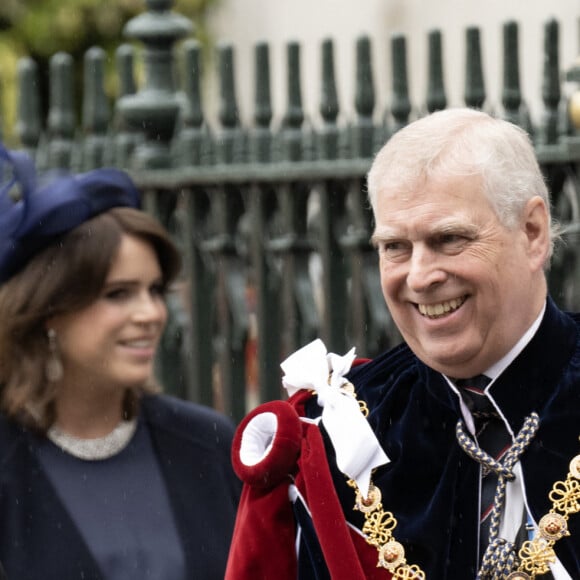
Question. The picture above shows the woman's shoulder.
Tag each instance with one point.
(11, 435)
(186, 419)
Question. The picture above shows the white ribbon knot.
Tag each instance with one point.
(357, 449)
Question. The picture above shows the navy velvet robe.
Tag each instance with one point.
(38, 539)
(431, 485)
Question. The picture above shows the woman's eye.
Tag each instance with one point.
(158, 290)
(117, 294)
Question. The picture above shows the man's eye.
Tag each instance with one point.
(453, 239)
(398, 246)
(393, 250)
(451, 242)
(450, 239)
(389, 246)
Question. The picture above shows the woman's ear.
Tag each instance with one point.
(53, 368)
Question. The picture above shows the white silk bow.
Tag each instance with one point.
(357, 449)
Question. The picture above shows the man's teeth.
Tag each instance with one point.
(436, 310)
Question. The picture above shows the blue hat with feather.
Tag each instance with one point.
(43, 210)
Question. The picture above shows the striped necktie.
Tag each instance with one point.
(492, 437)
(497, 454)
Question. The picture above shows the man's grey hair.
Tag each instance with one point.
(461, 143)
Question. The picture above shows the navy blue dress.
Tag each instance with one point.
(39, 538)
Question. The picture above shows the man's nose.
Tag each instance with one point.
(425, 269)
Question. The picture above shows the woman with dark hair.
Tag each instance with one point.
(100, 475)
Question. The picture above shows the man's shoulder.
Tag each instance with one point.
(391, 376)
(394, 363)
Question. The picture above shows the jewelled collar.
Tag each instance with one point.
(97, 448)
(537, 554)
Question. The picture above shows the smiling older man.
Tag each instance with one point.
(478, 411)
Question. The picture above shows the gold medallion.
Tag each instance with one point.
(553, 526)
(371, 502)
(391, 555)
(575, 467)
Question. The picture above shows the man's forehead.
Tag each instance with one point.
(411, 188)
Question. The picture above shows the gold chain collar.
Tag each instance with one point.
(379, 524)
(535, 555)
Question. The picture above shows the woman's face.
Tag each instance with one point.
(112, 342)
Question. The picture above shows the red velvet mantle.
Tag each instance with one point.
(264, 541)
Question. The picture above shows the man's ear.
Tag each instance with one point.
(536, 226)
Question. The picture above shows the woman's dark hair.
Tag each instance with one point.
(65, 277)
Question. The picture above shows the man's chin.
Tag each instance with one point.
(460, 364)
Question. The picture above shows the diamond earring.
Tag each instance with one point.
(53, 369)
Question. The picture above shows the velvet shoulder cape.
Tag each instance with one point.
(431, 486)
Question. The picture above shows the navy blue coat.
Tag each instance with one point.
(431, 485)
(38, 539)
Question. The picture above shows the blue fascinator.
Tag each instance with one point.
(46, 209)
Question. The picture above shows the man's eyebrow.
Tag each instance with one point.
(387, 232)
(454, 227)
(383, 235)
(442, 228)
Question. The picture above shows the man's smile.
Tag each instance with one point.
(442, 308)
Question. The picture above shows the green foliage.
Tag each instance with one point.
(41, 28)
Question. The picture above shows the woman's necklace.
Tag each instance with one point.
(98, 447)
